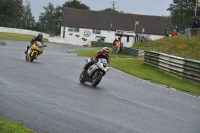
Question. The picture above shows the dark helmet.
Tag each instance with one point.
(40, 36)
(105, 50)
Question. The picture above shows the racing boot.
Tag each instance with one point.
(26, 49)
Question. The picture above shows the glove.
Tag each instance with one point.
(32, 42)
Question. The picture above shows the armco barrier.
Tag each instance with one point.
(101, 44)
(189, 69)
(114, 50)
(130, 51)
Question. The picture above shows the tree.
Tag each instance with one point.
(113, 5)
(27, 17)
(109, 10)
(51, 14)
(11, 13)
(49, 19)
(75, 4)
(182, 12)
(15, 15)
(113, 9)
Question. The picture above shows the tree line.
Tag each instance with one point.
(16, 14)
(182, 12)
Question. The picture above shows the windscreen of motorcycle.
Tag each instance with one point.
(103, 61)
(39, 44)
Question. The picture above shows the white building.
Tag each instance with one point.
(80, 27)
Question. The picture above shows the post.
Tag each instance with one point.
(136, 23)
(60, 22)
(196, 9)
(142, 32)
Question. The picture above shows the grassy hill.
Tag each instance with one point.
(177, 45)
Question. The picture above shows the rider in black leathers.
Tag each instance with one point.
(38, 38)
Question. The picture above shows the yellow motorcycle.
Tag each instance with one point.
(35, 50)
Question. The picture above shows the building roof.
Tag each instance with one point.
(102, 20)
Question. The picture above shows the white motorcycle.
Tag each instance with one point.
(95, 72)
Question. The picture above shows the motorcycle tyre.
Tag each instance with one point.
(98, 80)
(33, 57)
(81, 79)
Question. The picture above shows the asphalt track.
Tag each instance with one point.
(46, 96)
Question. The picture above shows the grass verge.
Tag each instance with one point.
(18, 37)
(12, 127)
(2, 43)
(136, 67)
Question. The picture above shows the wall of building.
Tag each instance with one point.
(109, 36)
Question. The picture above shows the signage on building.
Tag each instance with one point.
(64, 32)
(87, 33)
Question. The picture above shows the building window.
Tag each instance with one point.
(96, 31)
(73, 29)
(76, 29)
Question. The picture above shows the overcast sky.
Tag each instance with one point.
(143, 7)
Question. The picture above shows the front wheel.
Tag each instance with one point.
(81, 78)
(97, 78)
(33, 57)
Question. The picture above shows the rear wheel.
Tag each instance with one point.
(97, 78)
(33, 57)
(81, 78)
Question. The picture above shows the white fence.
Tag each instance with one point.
(22, 31)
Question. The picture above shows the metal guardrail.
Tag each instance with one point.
(185, 68)
(130, 51)
(114, 50)
(100, 44)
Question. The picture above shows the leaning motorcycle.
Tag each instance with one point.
(95, 72)
(35, 50)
